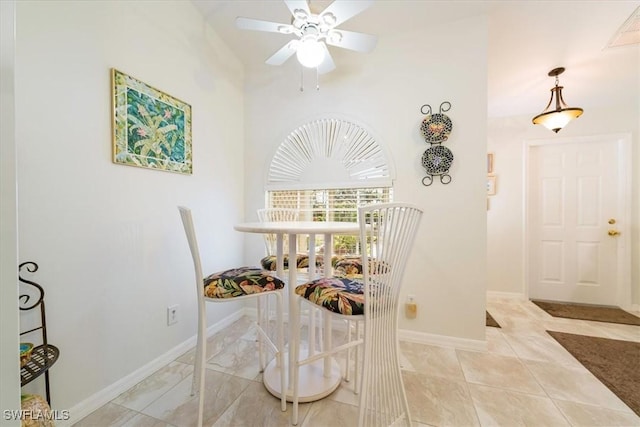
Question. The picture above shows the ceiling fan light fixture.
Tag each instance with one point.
(557, 117)
(310, 53)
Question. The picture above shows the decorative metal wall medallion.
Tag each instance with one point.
(435, 129)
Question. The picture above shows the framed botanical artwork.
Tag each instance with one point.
(491, 185)
(151, 129)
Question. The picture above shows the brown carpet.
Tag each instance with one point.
(614, 362)
(588, 312)
(491, 321)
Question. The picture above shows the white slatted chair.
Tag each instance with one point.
(277, 215)
(227, 286)
(387, 233)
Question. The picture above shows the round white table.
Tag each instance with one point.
(320, 378)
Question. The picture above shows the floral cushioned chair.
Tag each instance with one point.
(233, 285)
(269, 262)
(387, 233)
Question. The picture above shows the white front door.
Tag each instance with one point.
(577, 204)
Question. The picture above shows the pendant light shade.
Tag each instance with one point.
(557, 114)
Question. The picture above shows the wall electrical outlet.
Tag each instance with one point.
(411, 307)
(172, 314)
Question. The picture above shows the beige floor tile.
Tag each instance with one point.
(439, 401)
(239, 358)
(498, 407)
(257, 407)
(498, 371)
(329, 413)
(497, 344)
(241, 329)
(432, 360)
(110, 414)
(179, 408)
(595, 416)
(617, 331)
(543, 348)
(142, 420)
(345, 394)
(524, 378)
(574, 385)
(154, 386)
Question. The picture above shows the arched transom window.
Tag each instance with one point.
(326, 169)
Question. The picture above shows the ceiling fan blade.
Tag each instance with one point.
(360, 42)
(344, 10)
(327, 64)
(259, 25)
(283, 54)
(294, 5)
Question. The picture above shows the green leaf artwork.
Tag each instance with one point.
(150, 128)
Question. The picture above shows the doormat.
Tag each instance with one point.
(491, 321)
(614, 362)
(588, 312)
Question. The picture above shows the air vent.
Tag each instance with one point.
(628, 33)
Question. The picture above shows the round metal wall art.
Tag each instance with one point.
(435, 129)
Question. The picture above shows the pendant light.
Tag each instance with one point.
(557, 117)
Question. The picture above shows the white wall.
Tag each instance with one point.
(108, 238)
(9, 353)
(383, 91)
(506, 218)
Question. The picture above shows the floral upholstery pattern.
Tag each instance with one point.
(240, 281)
(302, 261)
(351, 267)
(338, 294)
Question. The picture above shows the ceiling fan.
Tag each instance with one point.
(314, 31)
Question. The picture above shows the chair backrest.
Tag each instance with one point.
(387, 234)
(276, 215)
(187, 222)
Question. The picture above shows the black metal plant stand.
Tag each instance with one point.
(44, 355)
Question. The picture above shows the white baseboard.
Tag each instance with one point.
(112, 391)
(403, 334)
(507, 295)
(442, 340)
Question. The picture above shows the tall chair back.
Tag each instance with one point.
(187, 222)
(387, 234)
(276, 215)
(231, 282)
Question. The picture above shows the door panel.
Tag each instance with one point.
(573, 191)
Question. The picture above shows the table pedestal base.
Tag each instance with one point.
(313, 384)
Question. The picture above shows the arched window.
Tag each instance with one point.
(326, 169)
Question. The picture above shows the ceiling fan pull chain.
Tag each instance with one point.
(317, 79)
(301, 80)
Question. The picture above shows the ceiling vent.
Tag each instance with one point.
(628, 33)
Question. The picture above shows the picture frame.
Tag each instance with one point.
(491, 185)
(151, 129)
(490, 163)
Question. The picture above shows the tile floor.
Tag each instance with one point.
(525, 378)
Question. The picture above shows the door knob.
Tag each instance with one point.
(612, 221)
(613, 232)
